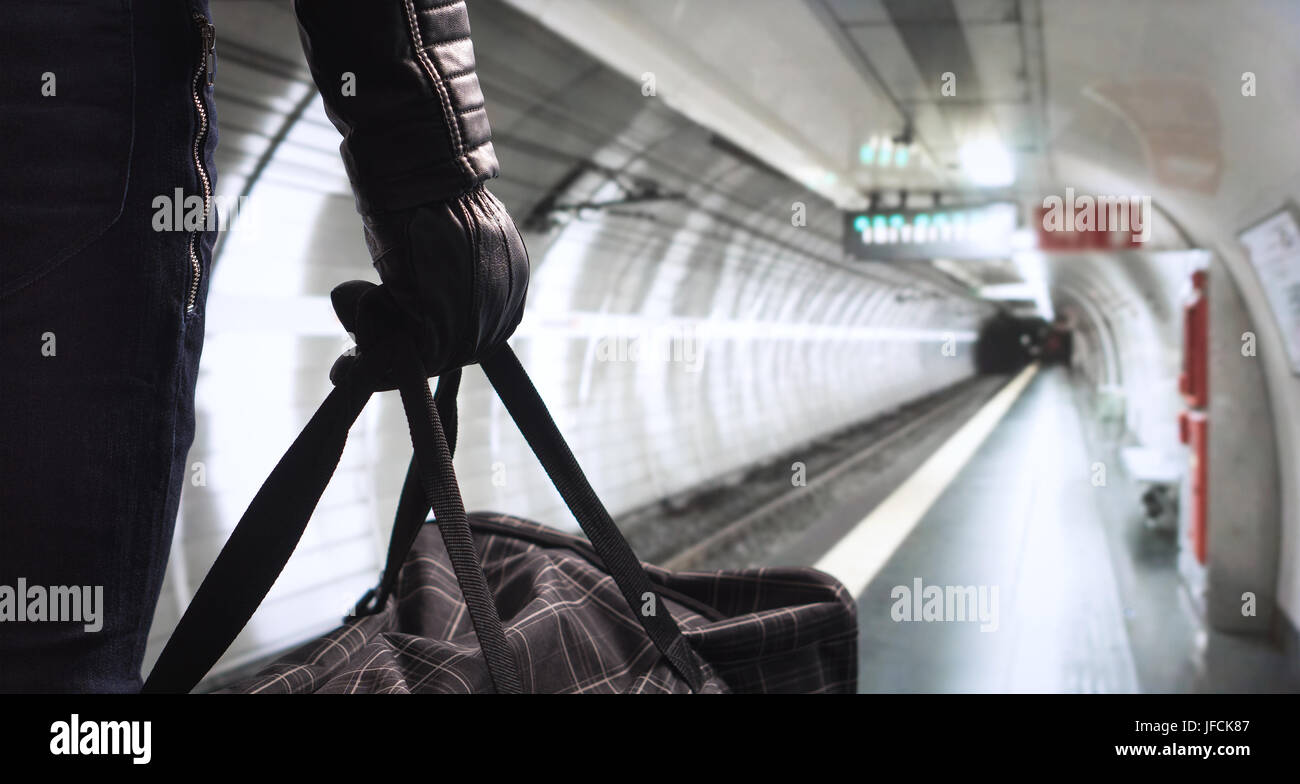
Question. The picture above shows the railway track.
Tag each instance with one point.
(716, 527)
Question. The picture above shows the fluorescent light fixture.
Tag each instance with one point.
(1032, 266)
(1024, 239)
(1009, 291)
(987, 163)
(868, 152)
(815, 178)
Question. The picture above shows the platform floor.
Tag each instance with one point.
(1020, 525)
(1051, 591)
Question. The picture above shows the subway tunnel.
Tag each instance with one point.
(813, 284)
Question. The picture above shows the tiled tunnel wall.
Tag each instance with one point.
(1127, 312)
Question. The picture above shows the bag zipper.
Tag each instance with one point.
(204, 76)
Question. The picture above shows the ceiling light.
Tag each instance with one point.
(867, 154)
(987, 163)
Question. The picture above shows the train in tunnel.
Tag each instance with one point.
(586, 346)
(1007, 343)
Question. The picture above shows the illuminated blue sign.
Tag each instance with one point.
(959, 232)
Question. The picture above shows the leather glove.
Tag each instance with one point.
(455, 275)
(398, 81)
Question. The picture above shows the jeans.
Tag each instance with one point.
(105, 112)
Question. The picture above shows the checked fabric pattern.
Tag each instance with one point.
(768, 630)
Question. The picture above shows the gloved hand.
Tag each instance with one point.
(417, 147)
(454, 277)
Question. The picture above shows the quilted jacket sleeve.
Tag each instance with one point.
(398, 81)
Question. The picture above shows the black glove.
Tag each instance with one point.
(398, 81)
(455, 275)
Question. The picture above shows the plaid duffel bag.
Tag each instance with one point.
(760, 630)
(492, 603)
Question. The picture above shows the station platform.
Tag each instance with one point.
(1023, 573)
(1019, 529)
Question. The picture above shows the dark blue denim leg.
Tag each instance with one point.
(101, 323)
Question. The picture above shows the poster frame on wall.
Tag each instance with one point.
(1272, 245)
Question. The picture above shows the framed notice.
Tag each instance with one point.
(1274, 248)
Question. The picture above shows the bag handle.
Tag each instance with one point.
(526, 407)
(530, 414)
(260, 545)
(274, 522)
(270, 529)
(442, 494)
(412, 509)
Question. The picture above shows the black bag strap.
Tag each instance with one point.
(528, 410)
(412, 509)
(273, 524)
(442, 494)
(271, 527)
(260, 545)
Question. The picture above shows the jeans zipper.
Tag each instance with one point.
(204, 75)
